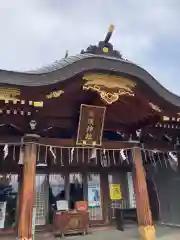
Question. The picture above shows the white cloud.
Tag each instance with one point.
(37, 32)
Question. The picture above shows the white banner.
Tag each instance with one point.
(33, 221)
(132, 196)
(2, 214)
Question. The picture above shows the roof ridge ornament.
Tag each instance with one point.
(66, 54)
(104, 47)
(109, 33)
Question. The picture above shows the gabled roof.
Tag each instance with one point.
(71, 66)
(100, 58)
(57, 65)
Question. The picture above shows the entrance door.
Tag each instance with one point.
(86, 187)
(94, 198)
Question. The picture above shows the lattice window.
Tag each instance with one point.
(132, 196)
(123, 204)
(42, 197)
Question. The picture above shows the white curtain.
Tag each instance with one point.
(132, 197)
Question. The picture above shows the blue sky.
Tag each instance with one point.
(38, 32)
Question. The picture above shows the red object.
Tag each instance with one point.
(82, 206)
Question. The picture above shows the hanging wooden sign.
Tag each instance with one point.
(91, 123)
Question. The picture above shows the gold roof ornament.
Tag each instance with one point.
(104, 47)
(171, 119)
(109, 34)
(111, 28)
(166, 118)
(109, 87)
(8, 94)
(54, 94)
(155, 107)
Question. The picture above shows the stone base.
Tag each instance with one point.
(24, 238)
(147, 232)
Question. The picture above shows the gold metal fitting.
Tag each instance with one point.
(111, 28)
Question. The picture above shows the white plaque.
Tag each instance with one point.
(62, 205)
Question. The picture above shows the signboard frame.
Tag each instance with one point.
(92, 110)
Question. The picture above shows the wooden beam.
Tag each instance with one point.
(107, 144)
(27, 197)
(72, 143)
(10, 140)
(57, 142)
(146, 228)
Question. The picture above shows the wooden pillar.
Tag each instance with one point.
(28, 192)
(146, 228)
(105, 196)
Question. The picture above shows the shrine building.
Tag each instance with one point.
(93, 127)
